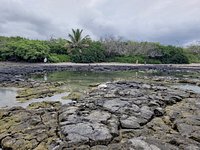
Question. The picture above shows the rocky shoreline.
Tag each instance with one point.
(16, 71)
(117, 115)
(139, 114)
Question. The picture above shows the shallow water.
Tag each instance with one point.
(86, 77)
(56, 97)
(8, 98)
(79, 81)
(191, 87)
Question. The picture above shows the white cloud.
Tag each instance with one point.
(168, 22)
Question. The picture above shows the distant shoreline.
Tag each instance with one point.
(26, 68)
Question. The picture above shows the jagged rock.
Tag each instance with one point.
(99, 147)
(113, 124)
(146, 113)
(130, 123)
(191, 147)
(98, 116)
(158, 111)
(136, 143)
(66, 111)
(146, 86)
(82, 133)
(133, 109)
(114, 105)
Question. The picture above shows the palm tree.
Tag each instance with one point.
(76, 40)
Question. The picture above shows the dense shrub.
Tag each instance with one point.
(172, 54)
(148, 49)
(127, 59)
(153, 61)
(109, 49)
(193, 53)
(194, 49)
(25, 50)
(118, 47)
(55, 58)
(57, 46)
(4, 50)
(133, 59)
(193, 58)
(114, 46)
(93, 53)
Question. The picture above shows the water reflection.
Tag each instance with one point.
(56, 97)
(45, 77)
(8, 97)
(86, 77)
(136, 74)
(82, 80)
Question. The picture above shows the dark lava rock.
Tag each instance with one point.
(116, 115)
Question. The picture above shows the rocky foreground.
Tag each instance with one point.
(120, 115)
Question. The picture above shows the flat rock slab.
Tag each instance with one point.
(87, 133)
(114, 105)
(130, 123)
(120, 115)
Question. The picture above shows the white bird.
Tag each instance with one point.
(45, 60)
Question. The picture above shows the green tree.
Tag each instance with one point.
(76, 40)
(95, 52)
(25, 50)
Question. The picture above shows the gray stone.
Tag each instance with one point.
(192, 147)
(96, 122)
(135, 107)
(130, 123)
(196, 135)
(153, 103)
(113, 125)
(87, 132)
(161, 88)
(114, 105)
(66, 111)
(137, 144)
(98, 116)
(158, 111)
(158, 143)
(146, 86)
(99, 147)
(146, 113)
(116, 146)
(71, 119)
(129, 109)
(185, 129)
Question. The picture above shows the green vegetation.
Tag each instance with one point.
(82, 49)
(172, 55)
(24, 50)
(193, 53)
(56, 58)
(93, 53)
(57, 46)
(76, 40)
(134, 59)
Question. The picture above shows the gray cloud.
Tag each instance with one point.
(168, 22)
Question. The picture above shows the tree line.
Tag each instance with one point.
(82, 49)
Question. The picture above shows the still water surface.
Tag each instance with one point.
(82, 80)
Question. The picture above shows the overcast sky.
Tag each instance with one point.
(165, 21)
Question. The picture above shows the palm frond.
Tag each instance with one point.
(76, 40)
